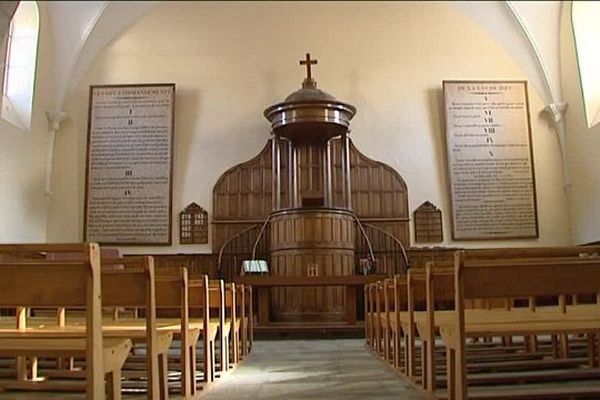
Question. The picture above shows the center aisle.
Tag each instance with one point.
(312, 369)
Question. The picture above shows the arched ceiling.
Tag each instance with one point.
(529, 30)
(80, 30)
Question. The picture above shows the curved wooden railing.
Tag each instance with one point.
(260, 236)
(237, 249)
(363, 249)
(383, 250)
(387, 251)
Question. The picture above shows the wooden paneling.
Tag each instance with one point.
(379, 194)
(242, 196)
(312, 229)
(428, 224)
(297, 243)
(419, 257)
(196, 264)
(310, 169)
(305, 241)
(225, 230)
(398, 227)
(312, 302)
(377, 190)
(243, 193)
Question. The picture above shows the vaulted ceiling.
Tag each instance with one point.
(528, 30)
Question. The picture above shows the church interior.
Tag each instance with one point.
(298, 199)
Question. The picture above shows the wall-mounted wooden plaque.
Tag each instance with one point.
(428, 224)
(193, 225)
(490, 160)
(129, 164)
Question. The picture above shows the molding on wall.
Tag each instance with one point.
(541, 65)
(556, 108)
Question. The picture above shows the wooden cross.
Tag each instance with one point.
(308, 62)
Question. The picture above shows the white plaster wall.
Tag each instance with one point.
(231, 60)
(583, 145)
(23, 209)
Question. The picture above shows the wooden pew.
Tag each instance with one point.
(249, 303)
(188, 297)
(415, 292)
(173, 293)
(368, 314)
(391, 317)
(385, 307)
(387, 318)
(232, 320)
(513, 278)
(137, 275)
(444, 292)
(400, 307)
(200, 309)
(425, 321)
(131, 283)
(135, 287)
(245, 315)
(439, 284)
(218, 315)
(376, 312)
(43, 283)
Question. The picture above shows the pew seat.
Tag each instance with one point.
(33, 282)
(114, 352)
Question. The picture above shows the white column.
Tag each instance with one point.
(557, 112)
(54, 120)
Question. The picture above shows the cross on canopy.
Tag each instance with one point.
(308, 62)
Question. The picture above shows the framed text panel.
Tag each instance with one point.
(129, 169)
(490, 160)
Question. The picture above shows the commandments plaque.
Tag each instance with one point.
(129, 164)
(490, 161)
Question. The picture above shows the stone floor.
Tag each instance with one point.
(312, 369)
(295, 369)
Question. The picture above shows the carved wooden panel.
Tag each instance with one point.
(310, 169)
(311, 229)
(243, 193)
(379, 194)
(193, 225)
(305, 242)
(311, 303)
(428, 224)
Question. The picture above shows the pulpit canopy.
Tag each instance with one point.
(310, 115)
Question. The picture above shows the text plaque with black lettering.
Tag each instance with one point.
(490, 160)
(129, 164)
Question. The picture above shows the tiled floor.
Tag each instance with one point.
(312, 369)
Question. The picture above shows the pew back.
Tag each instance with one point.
(45, 283)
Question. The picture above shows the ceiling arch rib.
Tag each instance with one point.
(534, 45)
(93, 25)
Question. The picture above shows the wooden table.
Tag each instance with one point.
(262, 283)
